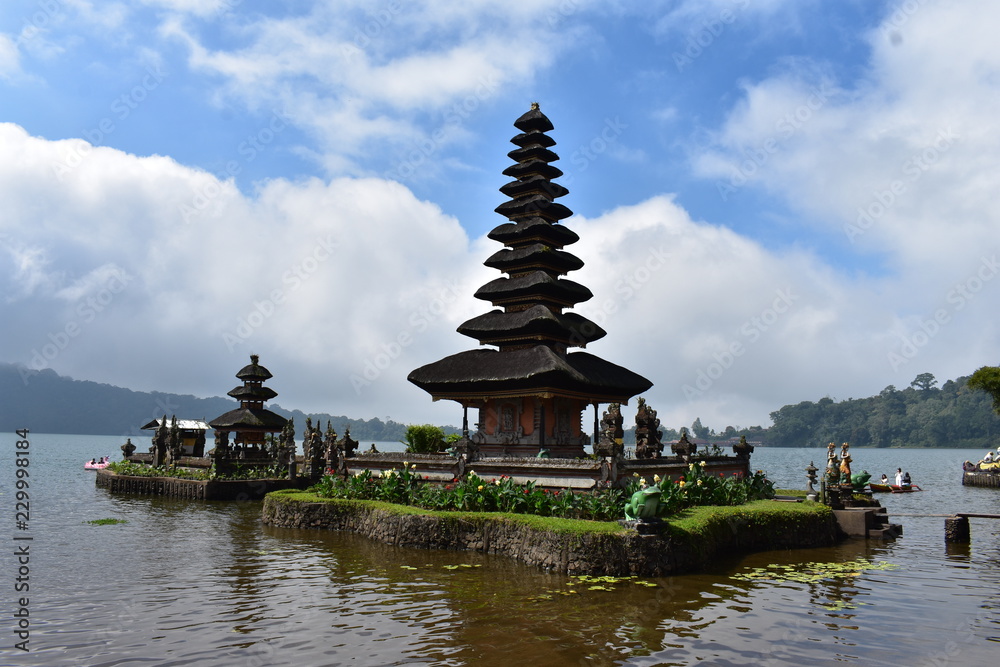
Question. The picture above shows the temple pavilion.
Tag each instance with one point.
(531, 391)
(250, 422)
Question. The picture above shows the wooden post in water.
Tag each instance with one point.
(956, 530)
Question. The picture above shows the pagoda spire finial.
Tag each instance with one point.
(534, 106)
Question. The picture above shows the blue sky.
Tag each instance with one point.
(777, 200)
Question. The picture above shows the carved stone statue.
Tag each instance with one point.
(743, 449)
(160, 437)
(647, 432)
(221, 444)
(199, 444)
(128, 448)
(330, 451)
(286, 443)
(684, 448)
(832, 472)
(174, 442)
(845, 464)
(313, 450)
(348, 444)
(609, 443)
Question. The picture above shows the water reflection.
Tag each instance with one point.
(192, 583)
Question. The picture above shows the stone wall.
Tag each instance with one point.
(990, 479)
(250, 489)
(620, 554)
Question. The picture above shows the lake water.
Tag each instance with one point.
(196, 583)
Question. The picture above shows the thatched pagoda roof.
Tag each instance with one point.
(530, 371)
(249, 419)
(532, 331)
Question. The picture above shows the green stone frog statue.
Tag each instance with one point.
(644, 504)
(860, 479)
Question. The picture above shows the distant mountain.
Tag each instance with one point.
(46, 402)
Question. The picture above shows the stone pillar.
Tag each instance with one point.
(956, 529)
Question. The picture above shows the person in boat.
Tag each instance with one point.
(93, 462)
(899, 477)
(885, 480)
(989, 457)
(906, 479)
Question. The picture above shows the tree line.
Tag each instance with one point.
(921, 415)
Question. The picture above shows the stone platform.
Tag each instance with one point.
(194, 489)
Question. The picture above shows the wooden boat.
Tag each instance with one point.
(892, 488)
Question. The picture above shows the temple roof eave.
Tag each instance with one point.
(528, 372)
(249, 419)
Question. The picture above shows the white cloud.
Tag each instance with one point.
(899, 163)
(364, 80)
(318, 277)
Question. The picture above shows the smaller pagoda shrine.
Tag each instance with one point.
(250, 422)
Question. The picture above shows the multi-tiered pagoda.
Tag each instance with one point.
(250, 422)
(531, 391)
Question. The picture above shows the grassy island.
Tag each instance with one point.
(684, 542)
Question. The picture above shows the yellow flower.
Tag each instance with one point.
(480, 488)
(699, 482)
(681, 482)
(405, 464)
(690, 466)
(656, 478)
(642, 483)
(496, 482)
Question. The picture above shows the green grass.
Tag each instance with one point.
(699, 522)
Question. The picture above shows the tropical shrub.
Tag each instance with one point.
(424, 439)
(503, 494)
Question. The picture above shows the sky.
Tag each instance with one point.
(777, 200)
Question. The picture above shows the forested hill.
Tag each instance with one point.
(919, 416)
(46, 402)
